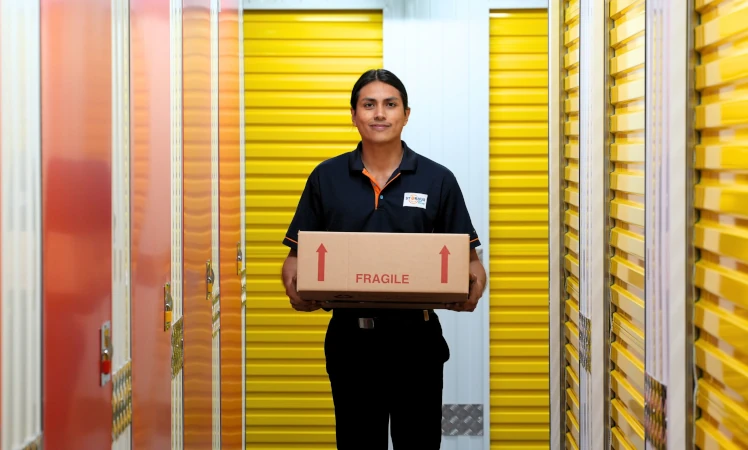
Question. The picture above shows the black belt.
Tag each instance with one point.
(368, 319)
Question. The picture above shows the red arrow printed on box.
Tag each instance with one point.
(321, 251)
(445, 264)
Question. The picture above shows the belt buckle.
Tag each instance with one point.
(366, 323)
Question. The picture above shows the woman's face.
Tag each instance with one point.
(379, 114)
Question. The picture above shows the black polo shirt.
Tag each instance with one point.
(421, 196)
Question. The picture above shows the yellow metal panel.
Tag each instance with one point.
(724, 410)
(619, 442)
(299, 70)
(571, 424)
(708, 437)
(721, 233)
(627, 179)
(519, 228)
(626, 424)
(570, 196)
(620, 7)
(571, 399)
(628, 304)
(626, 331)
(627, 394)
(631, 275)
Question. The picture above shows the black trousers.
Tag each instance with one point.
(391, 375)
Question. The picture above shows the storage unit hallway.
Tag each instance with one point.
(153, 154)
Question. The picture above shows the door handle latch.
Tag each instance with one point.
(239, 258)
(209, 277)
(105, 361)
(168, 307)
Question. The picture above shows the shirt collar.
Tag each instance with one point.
(408, 163)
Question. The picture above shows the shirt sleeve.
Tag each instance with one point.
(453, 212)
(308, 215)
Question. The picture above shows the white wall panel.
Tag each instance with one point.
(215, 243)
(243, 222)
(214, 229)
(121, 300)
(593, 305)
(20, 232)
(175, 57)
(556, 233)
(669, 343)
(439, 49)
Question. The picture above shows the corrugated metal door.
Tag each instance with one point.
(299, 71)
(215, 228)
(519, 228)
(197, 229)
(571, 220)
(721, 233)
(76, 221)
(177, 137)
(627, 222)
(151, 223)
(230, 162)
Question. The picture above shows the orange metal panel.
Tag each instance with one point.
(198, 321)
(230, 224)
(76, 220)
(151, 226)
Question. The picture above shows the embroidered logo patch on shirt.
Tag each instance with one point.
(414, 200)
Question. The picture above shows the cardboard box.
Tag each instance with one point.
(383, 270)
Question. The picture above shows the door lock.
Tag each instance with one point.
(239, 258)
(105, 361)
(209, 277)
(168, 306)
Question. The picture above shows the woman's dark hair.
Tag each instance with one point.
(383, 75)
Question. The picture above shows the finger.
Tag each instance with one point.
(468, 306)
(291, 286)
(297, 300)
(293, 295)
(305, 307)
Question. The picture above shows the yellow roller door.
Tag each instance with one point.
(571, 220)
(299, 70)
(721, 232)
(519, 229)
(627, 41)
